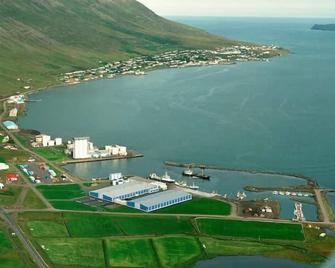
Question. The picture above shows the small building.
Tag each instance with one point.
(51, 143)
(58, 141)
(13, 112)
(12, 177)
(159, 200)
(2, 186)
(10, 125)
(124, 191)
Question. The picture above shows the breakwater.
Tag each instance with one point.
(310, 181)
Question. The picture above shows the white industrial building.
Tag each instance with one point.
(124, 191)
(81, 148)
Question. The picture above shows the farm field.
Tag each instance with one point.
(85, 225)
(64, 191)
(159, 241)
(215, 247)
(142, 253)
(174, 251)
(251, 229)
(74, 252)
(47, 229)
(204, 206)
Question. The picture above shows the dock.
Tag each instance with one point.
(131, 154)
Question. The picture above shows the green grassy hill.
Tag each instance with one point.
(40, 39)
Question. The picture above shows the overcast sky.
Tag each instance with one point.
(269, 8)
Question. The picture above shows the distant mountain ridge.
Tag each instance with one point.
(324, 27)
(41, 38)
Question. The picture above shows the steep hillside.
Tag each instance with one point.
(42, 38)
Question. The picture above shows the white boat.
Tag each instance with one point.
(306, 195)
(154, 176)
(300, 194)
(281, 193)
(194, 187)
(166, 178)
(188, 172)
(294, 194)
(275, 192)
(180, 184)
(287, 193)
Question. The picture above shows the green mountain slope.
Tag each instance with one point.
(41, 38)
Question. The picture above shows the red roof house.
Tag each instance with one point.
(11, 177)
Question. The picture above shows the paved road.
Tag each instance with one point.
(322, 206)
(36, 257)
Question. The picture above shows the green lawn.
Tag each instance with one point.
(252, 229)
(216, 247)
(131, 253)
(204, 206)
(73, 251)
(177, 251)
(52, 153)
(71, 205)
(65, 191)
(9, 196)
(85, 225)
(33, 201)
(49, 229)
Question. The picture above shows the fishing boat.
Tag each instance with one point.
(203, 175)
(166, 178)
(188, 172)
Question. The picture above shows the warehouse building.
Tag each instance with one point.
(124, 191)
(159, 200)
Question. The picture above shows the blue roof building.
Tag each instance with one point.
(10, 125)
(159, 200)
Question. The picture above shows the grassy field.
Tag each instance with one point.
(52, 154)
(177, 251)
(33, 201)
(252, 229)
(204, 206)
(131, 253)
(73, 252)
(9, 196)
(85, 225)
(65, 191)
(157, 241)
(71, 205)
(49, 229)
(215, 247)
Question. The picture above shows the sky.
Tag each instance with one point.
(258, 8)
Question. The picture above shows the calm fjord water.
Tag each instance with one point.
(277, 115)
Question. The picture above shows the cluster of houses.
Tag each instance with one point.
(173, 59)
(10, 178)
(16, 99)
(46, 141)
